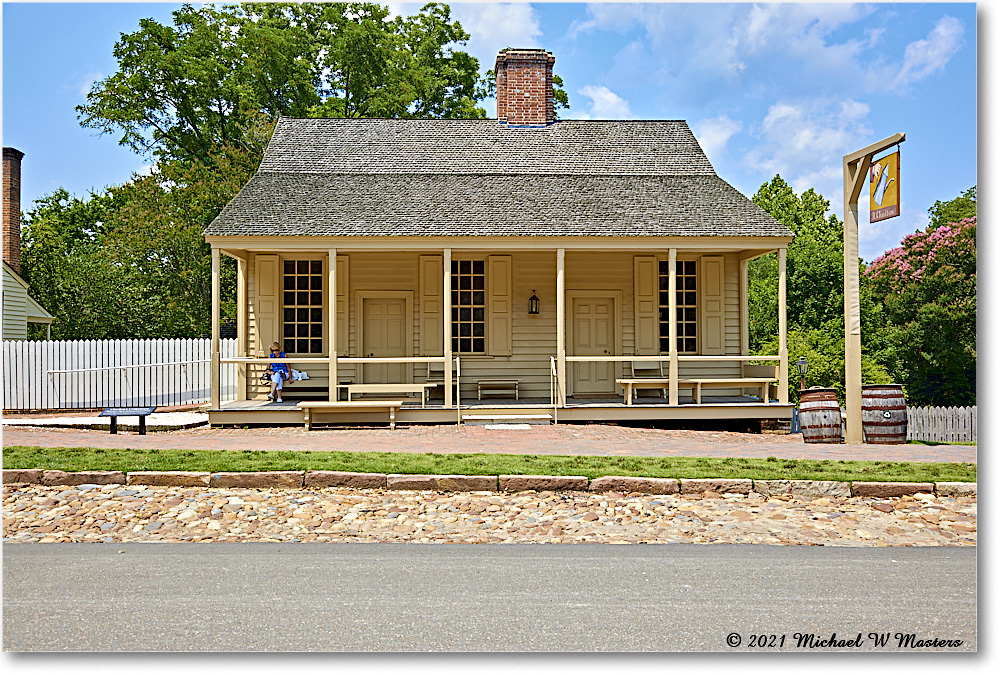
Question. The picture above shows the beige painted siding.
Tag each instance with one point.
(533, 337)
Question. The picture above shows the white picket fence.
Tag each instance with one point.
(943, 425)
(62, 374)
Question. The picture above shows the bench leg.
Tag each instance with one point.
(516, 396)
(392, 418)
(628, 394)
(763, 391)
(697, 393)
(142, 425)
(308, 419)
(114, 425)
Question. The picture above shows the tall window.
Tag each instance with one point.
(302, 285)
(687, 307)
(468, 306)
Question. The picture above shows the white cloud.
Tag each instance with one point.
(87, 81)
(714, 133)
(806, 142)
(924, 57)
(604, 104)
(495, 26)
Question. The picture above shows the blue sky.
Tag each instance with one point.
(767, 89)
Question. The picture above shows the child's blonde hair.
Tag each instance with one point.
(275, 345)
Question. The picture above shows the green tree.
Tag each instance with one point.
(183, 90)
(69, 273)
(814, 269)
(954, 210)
(927, 290)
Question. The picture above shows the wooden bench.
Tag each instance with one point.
(753, 376)
(349, 407)
(115, 413)
(496, 387)
(401, 388)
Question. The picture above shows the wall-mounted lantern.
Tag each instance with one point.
(533, 303)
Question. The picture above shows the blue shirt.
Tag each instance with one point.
(279, 367)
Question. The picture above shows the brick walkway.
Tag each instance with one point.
(563, 439)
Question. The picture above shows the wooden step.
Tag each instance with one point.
(506, 419)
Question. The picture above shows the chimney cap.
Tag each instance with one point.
(12, 152)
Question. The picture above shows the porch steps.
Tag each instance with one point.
(496, 419)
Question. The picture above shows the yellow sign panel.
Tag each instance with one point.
(884, 188)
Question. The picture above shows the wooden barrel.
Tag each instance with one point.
(883, 414)
(819, 415)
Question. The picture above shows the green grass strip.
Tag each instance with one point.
(109, 459)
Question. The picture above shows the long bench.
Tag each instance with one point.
(400, 388)
(753, 376)
(390, 407)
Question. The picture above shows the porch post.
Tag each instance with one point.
(744, 308)
(672, 310)
(782, 329)
(241, 326)
(448, 401)
(561, 323)
(332, 320)
(215, 395)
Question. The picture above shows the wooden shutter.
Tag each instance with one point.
(343, 324)
(645, 280)
(712, 300)
(431, 305)
(268, 303)
(498, 306)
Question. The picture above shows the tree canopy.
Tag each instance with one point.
(183, 89)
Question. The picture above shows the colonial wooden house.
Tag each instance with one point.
(496, 269)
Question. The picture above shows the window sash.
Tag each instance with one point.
(687, 306)
(302, 302)
(468, 306)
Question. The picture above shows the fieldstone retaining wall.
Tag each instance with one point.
(807, 489)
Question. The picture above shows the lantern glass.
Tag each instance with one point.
(802, 365)
(533, 304)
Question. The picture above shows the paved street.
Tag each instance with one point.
(416, 597)
(562, 439)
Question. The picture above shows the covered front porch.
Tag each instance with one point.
(560, 330)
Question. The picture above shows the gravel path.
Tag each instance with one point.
(115, 513)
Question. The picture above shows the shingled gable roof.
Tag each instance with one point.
(381, 177)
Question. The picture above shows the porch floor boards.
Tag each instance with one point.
(291, 404)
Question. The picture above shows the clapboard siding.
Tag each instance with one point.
(533, 337)
(15, 310)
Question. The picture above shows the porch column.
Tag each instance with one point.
(561, 324)
(744, 308)
(672, 310)
(331, 319)
(782, 329)
(214, 397)
(448, 400)
(241, 326)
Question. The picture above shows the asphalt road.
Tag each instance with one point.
(413, 597)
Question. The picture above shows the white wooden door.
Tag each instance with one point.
(384, 335)
(593, 335)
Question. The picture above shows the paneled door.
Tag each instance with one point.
(384, 334)
(593, 334)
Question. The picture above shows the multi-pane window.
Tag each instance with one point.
(687, 306)
(468, 306)
(302, 288)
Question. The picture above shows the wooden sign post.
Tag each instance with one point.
(856, 167)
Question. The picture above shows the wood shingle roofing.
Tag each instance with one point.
(378, 177)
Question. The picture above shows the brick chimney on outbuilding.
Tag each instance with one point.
(524, 87)
(12, 207)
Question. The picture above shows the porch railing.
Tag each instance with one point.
(739, 358)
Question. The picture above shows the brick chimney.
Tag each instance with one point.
(524, 87)
(12, 207)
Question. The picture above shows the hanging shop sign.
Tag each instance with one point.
(884, 181)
